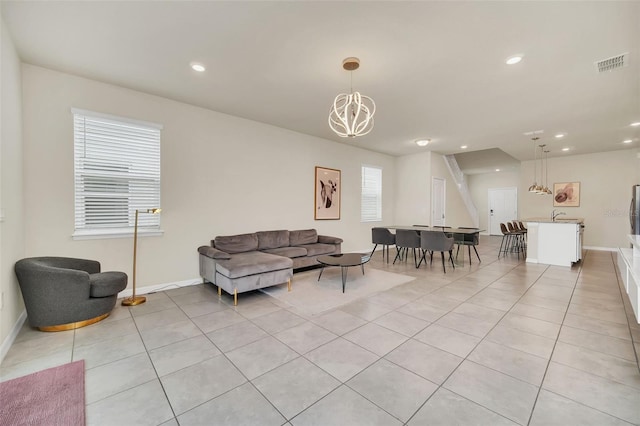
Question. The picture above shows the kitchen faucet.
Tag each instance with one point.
(554, 215)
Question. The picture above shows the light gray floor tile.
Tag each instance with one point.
(342, 359)
(344, 407)
(338, 322)
(522, 341)
(531, 325)
(217, 320)
(392, 388)
(278, 321)
(423, 311)
(498, 392)
(142, 405)
(607, 366)
(605, 395)
(272, 354)
(172, 422)
(203, 307)
(157, 337)
(598, 326)
(20, 369)
(402, 323)
(118, 376)
(598, 342)
(109, 350)
(495, 299)
(28, 350)
(236, 336)
(376, 339)
(449, 340)
(425, 360)
(103, 330)
(616, 314)
(543, 302)
(294, 386)
(560, 293)
(554, 410)
(446, 408)
(176, 356)
(156, 302)
(305, 337)
(479, 312)
(160, 319)
(439, 301)
(537, 312)
(366, 309)
(257, 309)
(464, 324)
(512, 362)
(455, 293)
(194, 385)
(243, 405)
(199, 294)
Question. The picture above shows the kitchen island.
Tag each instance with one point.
(554, 242)
(629, 266)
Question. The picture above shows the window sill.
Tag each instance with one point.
(94, 234)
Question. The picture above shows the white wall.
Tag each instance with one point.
(479, 186)
(220, 175)
(455, 210)
(11, 201)
(605, 192)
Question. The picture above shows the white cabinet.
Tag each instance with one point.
(629, 265)
(554, 243)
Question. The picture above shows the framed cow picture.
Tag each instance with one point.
(328, 188)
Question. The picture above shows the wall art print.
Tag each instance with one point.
(328, 189)
(566, 194)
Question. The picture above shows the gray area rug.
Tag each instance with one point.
(314, 297)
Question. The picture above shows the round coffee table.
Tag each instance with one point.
(344, 260)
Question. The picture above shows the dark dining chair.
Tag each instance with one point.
(436, 241)
(469, 240)
(407, 239)
(384, 237)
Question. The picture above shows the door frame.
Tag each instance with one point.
(444, 200)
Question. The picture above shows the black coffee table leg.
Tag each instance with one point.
(321, 270)
(344, 276)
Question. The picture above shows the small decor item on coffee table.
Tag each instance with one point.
(344, 260)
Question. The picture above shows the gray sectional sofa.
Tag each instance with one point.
(245, 262)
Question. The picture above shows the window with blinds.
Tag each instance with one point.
(371, 201)
(117, 171)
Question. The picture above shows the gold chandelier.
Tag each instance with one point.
(351, 114)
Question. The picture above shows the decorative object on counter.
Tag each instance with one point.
(137, 300)
(351, 114)
(327, 194)
(566, 194)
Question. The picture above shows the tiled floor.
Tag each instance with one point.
(499, 343)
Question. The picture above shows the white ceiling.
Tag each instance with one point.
(435, 69)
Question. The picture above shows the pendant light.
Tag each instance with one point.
(542, 189)
(546, 172)
(534, 188)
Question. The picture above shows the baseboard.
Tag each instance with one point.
(160, 287)
(6, 344)
(595, 248)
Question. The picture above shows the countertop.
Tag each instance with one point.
(560, 219)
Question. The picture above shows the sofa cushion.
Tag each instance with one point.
(237, 243)
(272, 239)
(106, 284)
(213, 253)
(303, 236)
(288, 251)
(252, 262)
(318, 248)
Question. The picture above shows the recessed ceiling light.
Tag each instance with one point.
(464, 147)
(565, 149)
(560, 135)
(423, 142)
(627, 141)
(497, 170)
(514, 60)
(197, 67)
(635, 123)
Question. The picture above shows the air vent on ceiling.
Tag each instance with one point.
(612, 63)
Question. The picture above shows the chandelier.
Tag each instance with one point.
(351, 114)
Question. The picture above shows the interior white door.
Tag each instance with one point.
(438, 193)
(503, 207)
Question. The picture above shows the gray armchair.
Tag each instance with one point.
(63, 293)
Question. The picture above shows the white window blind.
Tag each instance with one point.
(371, 201)
(117, 170)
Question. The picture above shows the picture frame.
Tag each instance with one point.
(327, 193)
(566, 194)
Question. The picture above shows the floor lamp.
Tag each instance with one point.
(137, 300)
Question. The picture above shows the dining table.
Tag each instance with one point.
(446, 229)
